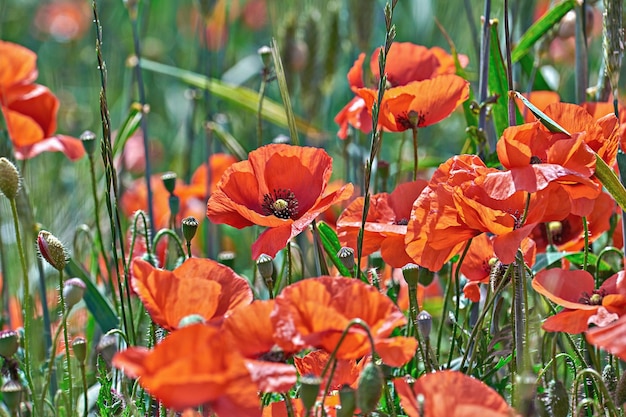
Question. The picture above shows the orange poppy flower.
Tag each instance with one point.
(540, 99)
(575, 290)
(315, 312)
(346, 371)
(279, 409)
(568, 234)
(450, 393)
(406, 62)
(386, 222)
(198, 286)
(64, 20)
(599, 110)
(282, 187)
(29, 109)
(419, 103)
(195, 365)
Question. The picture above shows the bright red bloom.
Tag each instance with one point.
(450, 393)
(282, 187)
(199, 286)
(386, 222)
(29, 109)
(196, 365)
(417, 104)
(575, 290)
(406, 62)
(346, 371)
(315, 312)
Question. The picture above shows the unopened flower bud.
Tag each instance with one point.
(265, 265)
(12, 394)
(8, 343)
(346, 256)
(9, 178)
(79, 346)
(190, 227)
(424, 323)
(309, 389)
(227, 258)
(88, 139)
(410, 272)
(370, 388)
(73, 291)
(347, 398)
(52, 250)
(169, 181)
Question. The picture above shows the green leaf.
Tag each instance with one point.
(331, 245)
(540, 28)
(543, 260)
(528, 67)
(228, 140)
(128, 128)
(241, 96)
(284, 92)
(497, 83)
(610, 181)
(97, 304)
(552, 126)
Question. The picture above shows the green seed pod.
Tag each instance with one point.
(9, 179)
(11, 395)
(8, 343)
(370, 388)
(410, 272)
(557, 399)
(346, 256)
(191, 320)
(227, 258)
(190, 226)
(309, 389)
(88, 139)
(169, 181)
(265, 265)
(347, 398)
(79, 346)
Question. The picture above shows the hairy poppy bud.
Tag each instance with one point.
(8, 343)
(52, 250)
(370, 388)
(73, 291)
(9, 178)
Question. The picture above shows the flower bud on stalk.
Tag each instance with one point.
(8, 343)
(73, 291)
(9, 179)
(52, 250)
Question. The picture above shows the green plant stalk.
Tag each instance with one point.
(581, 54)
(608, 401)
(259, 120)
(586, 248)
(457, 307)
(68, 364)
(289, 261)
(284, 93)
(414, 310)
(83, 376)
(100, 236)
(415, 156)
(170, 233)
(26, 307)
(51, 366)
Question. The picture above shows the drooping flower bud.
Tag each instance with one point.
(79, 346)
(52, 250)
(9, 178)
(73, 291)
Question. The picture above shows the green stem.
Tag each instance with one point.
(68, 364)
(586, 247)
(51, 366)
(83, 376)
(414, 310)
(259, 121)
(457, 307)
(289, 265)
(170, 233)
(415, 156)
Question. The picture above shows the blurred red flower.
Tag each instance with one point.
(314, 312)
(406, 62)
(346, 371)
(199, 286)
(29, 109)
(386, 222)
(450, 393)
(64, 20)
(575, 290)
(282, 187)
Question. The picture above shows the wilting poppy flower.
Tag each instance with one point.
(386, 222)
(195, 365)
(568, 234)
(575, 290)
(29, 109)
(315, 312)
(199, 286)
(406, 62)
(450, 393)
(282, 187)
(419, 103)
(346, 371)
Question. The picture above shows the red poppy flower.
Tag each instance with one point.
(198, 286)
(575, 290)
(450, 393)
(30, 110)
(419, 103)
(195, 365)
(599, 110)
(64, 20)
(386, 222)
(282, 187)
(406, 62)
(315, 312)
(346, 371)
(279, 408)
(611, 338)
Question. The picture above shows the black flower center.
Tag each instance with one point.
(402, 222)
(281, 203)
(410, 120)
(594, 299)
(535, 160)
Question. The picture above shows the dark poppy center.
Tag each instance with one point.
(410, 120)
(594, 299)
(280, 203)
(402, 222)
(535, 160)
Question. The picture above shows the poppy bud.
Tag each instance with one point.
(52, 250)
(347, 398)
(8, 343)
(265, 265)
(9, 178)
(498, 270)
(88, 139)
(227, 258)
(169, 181)
(370, 388)
(346, 256)
(410, 272)
(190, 226)
(73, 291)
(309, 389)
(11, 395)
(424, 323)
(79, 346)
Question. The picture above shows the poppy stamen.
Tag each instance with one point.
(281, 203)
(535, 160)
(594, 299)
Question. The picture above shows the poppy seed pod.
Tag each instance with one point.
(424, 323)
(347, 398)
(265, 52)
(191, 319)
(52, 250)
(265, 265)
(346, 256)
(190, 227)
(79, 346)
(11, 394)
(410, 272)
(8, 343)
(227, 258)
(370, 388)
(309, 389)
(9, 178)
(88, 139)
(169, 181)
(73, 291)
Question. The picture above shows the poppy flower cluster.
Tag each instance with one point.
(29, 109)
